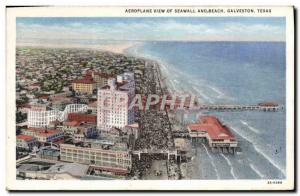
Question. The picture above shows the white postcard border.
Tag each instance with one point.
(13, 184)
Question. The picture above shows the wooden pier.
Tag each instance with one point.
(266, 106)
(258, 107)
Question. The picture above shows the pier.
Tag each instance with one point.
(265, 106)
(240, 107)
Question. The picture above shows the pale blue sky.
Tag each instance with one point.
(158, 28)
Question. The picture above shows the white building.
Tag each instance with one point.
(40, 116)
(110, 159)
(113, 102)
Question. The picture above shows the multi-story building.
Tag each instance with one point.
(45, 135)
(39, 115)
(217, 135)
(101, 79)
(113, 102)
(26, 141)
(79, 130)
(85, 85)
(110, 159)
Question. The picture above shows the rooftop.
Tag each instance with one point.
(24, 137)
(213, 127)
(119, 86)
(74, 169)
(44, 132)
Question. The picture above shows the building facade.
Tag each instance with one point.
(95, 156)
(45, 135)
(79, 130)
(40, 116)
(26, 141)
(113, 107)
(86, 85)
(101, 79)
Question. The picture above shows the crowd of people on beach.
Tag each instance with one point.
(155, 131)
(155, 134)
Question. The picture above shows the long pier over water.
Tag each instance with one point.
(240, 107)
(266, 106)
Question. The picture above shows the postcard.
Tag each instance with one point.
(150, 98)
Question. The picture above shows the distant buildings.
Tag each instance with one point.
(113, 102)
(101, 79)
(110, 159)
(217, 135)
(91, 81)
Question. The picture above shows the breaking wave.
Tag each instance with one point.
(256, 171)
(250, 127)
(230, 165)
(260, 151)
(212, 162)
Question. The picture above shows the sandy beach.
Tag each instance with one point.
(115, 48)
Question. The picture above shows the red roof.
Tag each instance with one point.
(44, 132)
(268, 104)
(72, 123)
(82, 117)
(213, 127)
(24, 137)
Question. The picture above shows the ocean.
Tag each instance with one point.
(231, 72)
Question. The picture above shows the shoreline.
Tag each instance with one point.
(114, 48)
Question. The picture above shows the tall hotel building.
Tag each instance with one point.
(110, 113)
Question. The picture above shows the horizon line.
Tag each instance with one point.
(153, 40)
